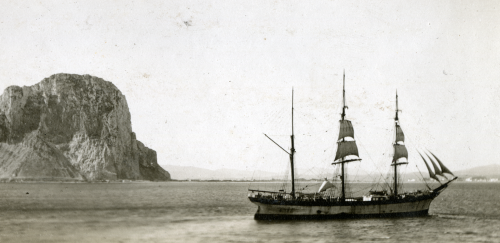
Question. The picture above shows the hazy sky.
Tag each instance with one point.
(205, 79)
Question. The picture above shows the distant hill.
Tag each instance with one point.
(492, 171)
(195, 173)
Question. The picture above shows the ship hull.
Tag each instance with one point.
(353, 210)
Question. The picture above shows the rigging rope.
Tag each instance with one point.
(427, 185)
(369, 156)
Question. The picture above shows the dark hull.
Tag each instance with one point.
(360, 209)
(340, 216)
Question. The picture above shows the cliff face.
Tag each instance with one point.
(71, 127)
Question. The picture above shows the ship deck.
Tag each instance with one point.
(336, 201)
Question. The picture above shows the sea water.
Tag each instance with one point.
(221, 212)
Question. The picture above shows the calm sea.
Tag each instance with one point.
(220, 212)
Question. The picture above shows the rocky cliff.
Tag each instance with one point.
(71, 127)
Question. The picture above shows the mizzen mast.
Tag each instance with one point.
(290, 154)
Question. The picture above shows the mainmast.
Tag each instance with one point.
(345, 148)
(343, 97)
(399, 148)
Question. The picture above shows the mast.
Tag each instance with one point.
(343, 139)
(345, 148)
(292, 152)
(399, 148)
(397, 110)
(343, 97)
(395, 166)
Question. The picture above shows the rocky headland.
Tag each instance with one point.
(71, 128)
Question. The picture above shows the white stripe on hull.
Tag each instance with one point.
(408, 207)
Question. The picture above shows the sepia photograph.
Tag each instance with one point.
(249, 121)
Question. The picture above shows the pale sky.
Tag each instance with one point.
(205, 79)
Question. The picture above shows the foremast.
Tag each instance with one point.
(400, 150)
(346, 147)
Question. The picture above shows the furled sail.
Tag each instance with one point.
(443, 168)
(400, 136)
(431, 174)
(346, 129)
(436, 168)
(346, 148)
(326, 184)
(399, 152)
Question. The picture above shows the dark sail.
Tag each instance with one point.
(400, 136)
(346, 129)
(346, 148)
(443, 168)
(399, 152)
(431, 174)
(436, 168)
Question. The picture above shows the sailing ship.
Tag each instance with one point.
(323, 204)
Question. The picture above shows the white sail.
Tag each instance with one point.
(326, 184)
